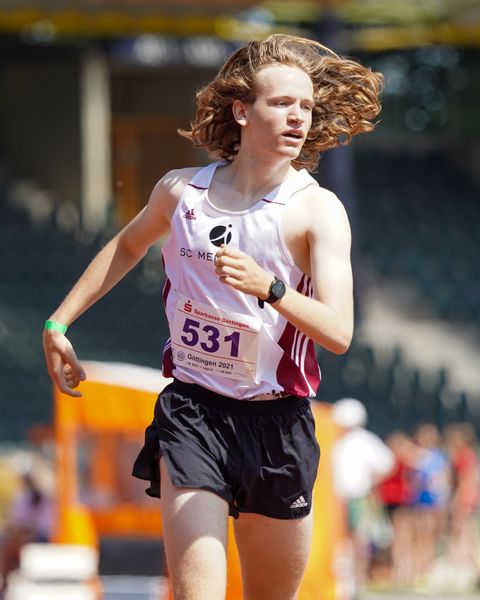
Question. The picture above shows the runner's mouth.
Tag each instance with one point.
(293, 135)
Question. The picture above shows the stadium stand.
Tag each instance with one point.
(419, 216)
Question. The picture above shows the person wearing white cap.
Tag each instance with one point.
(360, 460)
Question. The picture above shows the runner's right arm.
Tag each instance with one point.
(109, 266)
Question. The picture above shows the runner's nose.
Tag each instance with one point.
(295, 115)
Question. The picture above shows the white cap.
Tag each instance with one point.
(349, 413)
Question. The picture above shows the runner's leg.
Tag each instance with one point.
(273, 555)
(195, 536)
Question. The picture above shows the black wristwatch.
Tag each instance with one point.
(276, 291)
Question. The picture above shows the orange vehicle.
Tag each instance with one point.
(98, 436)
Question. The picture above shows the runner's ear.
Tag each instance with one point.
(239, 112)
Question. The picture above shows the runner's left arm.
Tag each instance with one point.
(328, 317)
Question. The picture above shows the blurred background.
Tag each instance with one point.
(91, 95)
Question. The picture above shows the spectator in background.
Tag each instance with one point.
(431, 492)
(360, 460)
(460, 443)
(32, 511)
(31, 516)
(396, 494)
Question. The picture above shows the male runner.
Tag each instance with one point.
(257, 267)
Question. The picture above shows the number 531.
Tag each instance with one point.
(208, 337)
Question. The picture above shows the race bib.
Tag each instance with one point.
(214, 341)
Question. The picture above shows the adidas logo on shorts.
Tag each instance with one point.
(299, 503)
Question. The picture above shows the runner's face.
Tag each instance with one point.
(280, 118)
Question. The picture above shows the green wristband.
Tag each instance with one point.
(53, 325)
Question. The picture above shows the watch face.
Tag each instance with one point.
(278, 288)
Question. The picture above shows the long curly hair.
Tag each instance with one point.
(346, 95)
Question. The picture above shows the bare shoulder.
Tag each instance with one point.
(321, 204)
(173, 183)
(320, 211)
(178, 177)
(168, 190)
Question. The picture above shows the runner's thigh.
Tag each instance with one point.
(273, 555)
(195, 536)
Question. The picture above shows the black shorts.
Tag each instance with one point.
(261, 456)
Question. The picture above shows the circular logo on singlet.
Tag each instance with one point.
(220, 235)
(180, 356)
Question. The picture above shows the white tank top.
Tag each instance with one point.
(220, 338)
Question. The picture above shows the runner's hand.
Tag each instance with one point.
(240, 271)
(62, 363)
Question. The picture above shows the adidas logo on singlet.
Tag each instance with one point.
(299, 503)
(190, 215)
